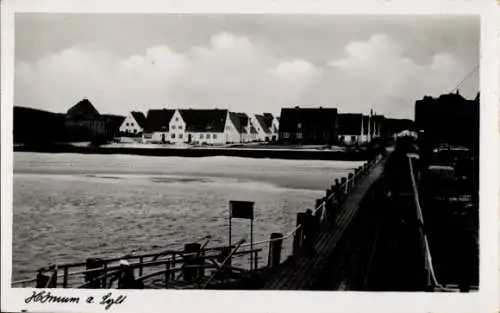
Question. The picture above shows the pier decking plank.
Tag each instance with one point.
(302, 272)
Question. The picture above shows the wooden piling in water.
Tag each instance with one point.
(275, 249)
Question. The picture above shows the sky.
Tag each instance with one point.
(245, 63)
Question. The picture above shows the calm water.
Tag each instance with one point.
(68, 207)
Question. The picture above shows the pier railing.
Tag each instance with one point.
(198, 266)
(432, 282)
(281, 247)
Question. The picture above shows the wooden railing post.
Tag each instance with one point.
(350, 182)
(104, 272)
(275, 244)
(338, 191)
(93, 263)
(319, 212)
(167, 274)
(190, 260)
(173, 266)
(343, 181)
(141, 261)
(65, 277)
(329, 203)
(201, 270)
(298, 239)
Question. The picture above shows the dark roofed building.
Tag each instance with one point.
(201, 121)
(114, 122)
(158, 120)
(308, 125)
(268, 120)
(38, 127)
(241, 124)
(133, 124)
(84, 109)
(84, 123)
(263, 123)
(240, 121)
(350, 127)
(140, 118)
(448, 119)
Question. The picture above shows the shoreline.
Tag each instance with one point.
(291, 154)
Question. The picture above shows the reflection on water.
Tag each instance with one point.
(68, 207)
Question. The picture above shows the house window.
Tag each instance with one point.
(173, 136)
(201, 136)
(299, 125)
(180, 136)
(214, 136)
(208, 136)
(353, 138)
(342, 138)
(179, 127)
(176, 119)
(148, 136)
(173, 126)
(228, 127)
(135, 131)
(127, 124)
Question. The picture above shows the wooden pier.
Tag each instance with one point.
(302, 272)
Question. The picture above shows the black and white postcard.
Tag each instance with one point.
(247, 158)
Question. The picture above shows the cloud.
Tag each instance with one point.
(377, 73)
(231, 71)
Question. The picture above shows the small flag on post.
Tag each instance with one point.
(241, 209)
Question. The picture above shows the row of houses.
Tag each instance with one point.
(326, 125)
(82, 122)
(201, 126)
(215, 126)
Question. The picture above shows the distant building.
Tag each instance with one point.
(242, 124)
(372, 125)
(114, 122)
(272, 124)
(308, 125)
(262, 126)
(37, 127)
(134, 123)
(83, 122)
(392, 126)
(350, 128)
(200, 126)
(156, 128)
(449, 119)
